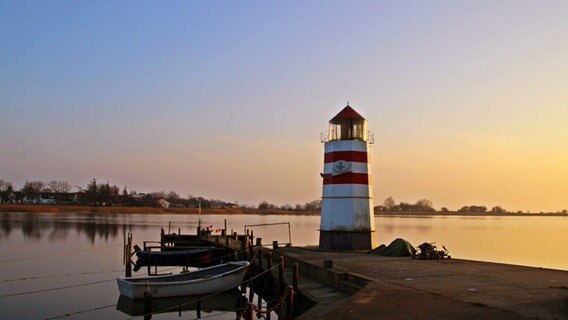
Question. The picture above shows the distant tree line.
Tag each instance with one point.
(107, 194)
(314, 205)
(425, 205)
(422, 205)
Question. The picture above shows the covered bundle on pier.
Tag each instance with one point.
(398, 248)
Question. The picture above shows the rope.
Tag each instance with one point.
(60, 275)
(280, 300)
(53, 289)
(82, 311)
(59, 253)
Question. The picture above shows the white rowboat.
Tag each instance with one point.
(208, 280)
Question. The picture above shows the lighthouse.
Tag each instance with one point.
(347, 220)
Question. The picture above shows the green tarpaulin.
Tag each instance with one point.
(397, 248)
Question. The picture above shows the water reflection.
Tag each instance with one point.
(58, 227)
(229, 301)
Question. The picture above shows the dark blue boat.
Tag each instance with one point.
(193, 257)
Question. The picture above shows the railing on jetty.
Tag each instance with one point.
(271, 232)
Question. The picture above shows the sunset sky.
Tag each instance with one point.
(468, 100)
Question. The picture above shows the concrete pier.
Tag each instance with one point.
(403, 288)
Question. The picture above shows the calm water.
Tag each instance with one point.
(57, 264)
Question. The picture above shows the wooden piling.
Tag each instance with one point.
(259, 307)
(149, 264)
(290, 304)
(244, 244)
(128, 269)
(258, 242)
(250, 312)
(147, 305)
(295, 276)
(269, 261)
(198, 309)
(251, 291)
(124, 248)
(251, 253)
(274, 244)
(281, 274)
(224, 232)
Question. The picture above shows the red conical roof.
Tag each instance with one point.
(347, 112)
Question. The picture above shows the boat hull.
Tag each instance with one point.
(204, 281)
(198, 257)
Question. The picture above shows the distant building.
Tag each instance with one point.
(163, 203)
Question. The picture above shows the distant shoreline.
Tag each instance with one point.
(45, 208)
(470, 214)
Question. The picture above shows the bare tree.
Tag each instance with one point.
(389, 203)
(31, 189)
(498, 209)
(4, 185)
(314, 205)
(6, 190)
(158, 195)
(59, 186)
(172, 196)
(424, 205)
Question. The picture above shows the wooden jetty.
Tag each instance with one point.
(318, 284)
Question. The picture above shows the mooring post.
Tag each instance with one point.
(149, 263)
(251, 238)
(250, 311)
(290, 304)
(147, 303)
(198, 309)
(251, 253)
(258, 242)
(251, 291)
(269, 261)
(274, 244)
(281, 274)
(295, 276)
(124, 247)
(128, 269)
(243, 243)
(259, 304)
(224, 232)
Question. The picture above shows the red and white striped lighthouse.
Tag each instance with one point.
(347, 220)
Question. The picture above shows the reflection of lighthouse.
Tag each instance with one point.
(347, 220)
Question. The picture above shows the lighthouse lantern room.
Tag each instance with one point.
(347, 221)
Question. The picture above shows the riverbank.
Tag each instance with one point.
(46, 208)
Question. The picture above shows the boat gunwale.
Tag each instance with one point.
(155, 280)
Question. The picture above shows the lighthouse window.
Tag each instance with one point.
(347, 129)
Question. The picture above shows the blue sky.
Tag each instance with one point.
(467, 99)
